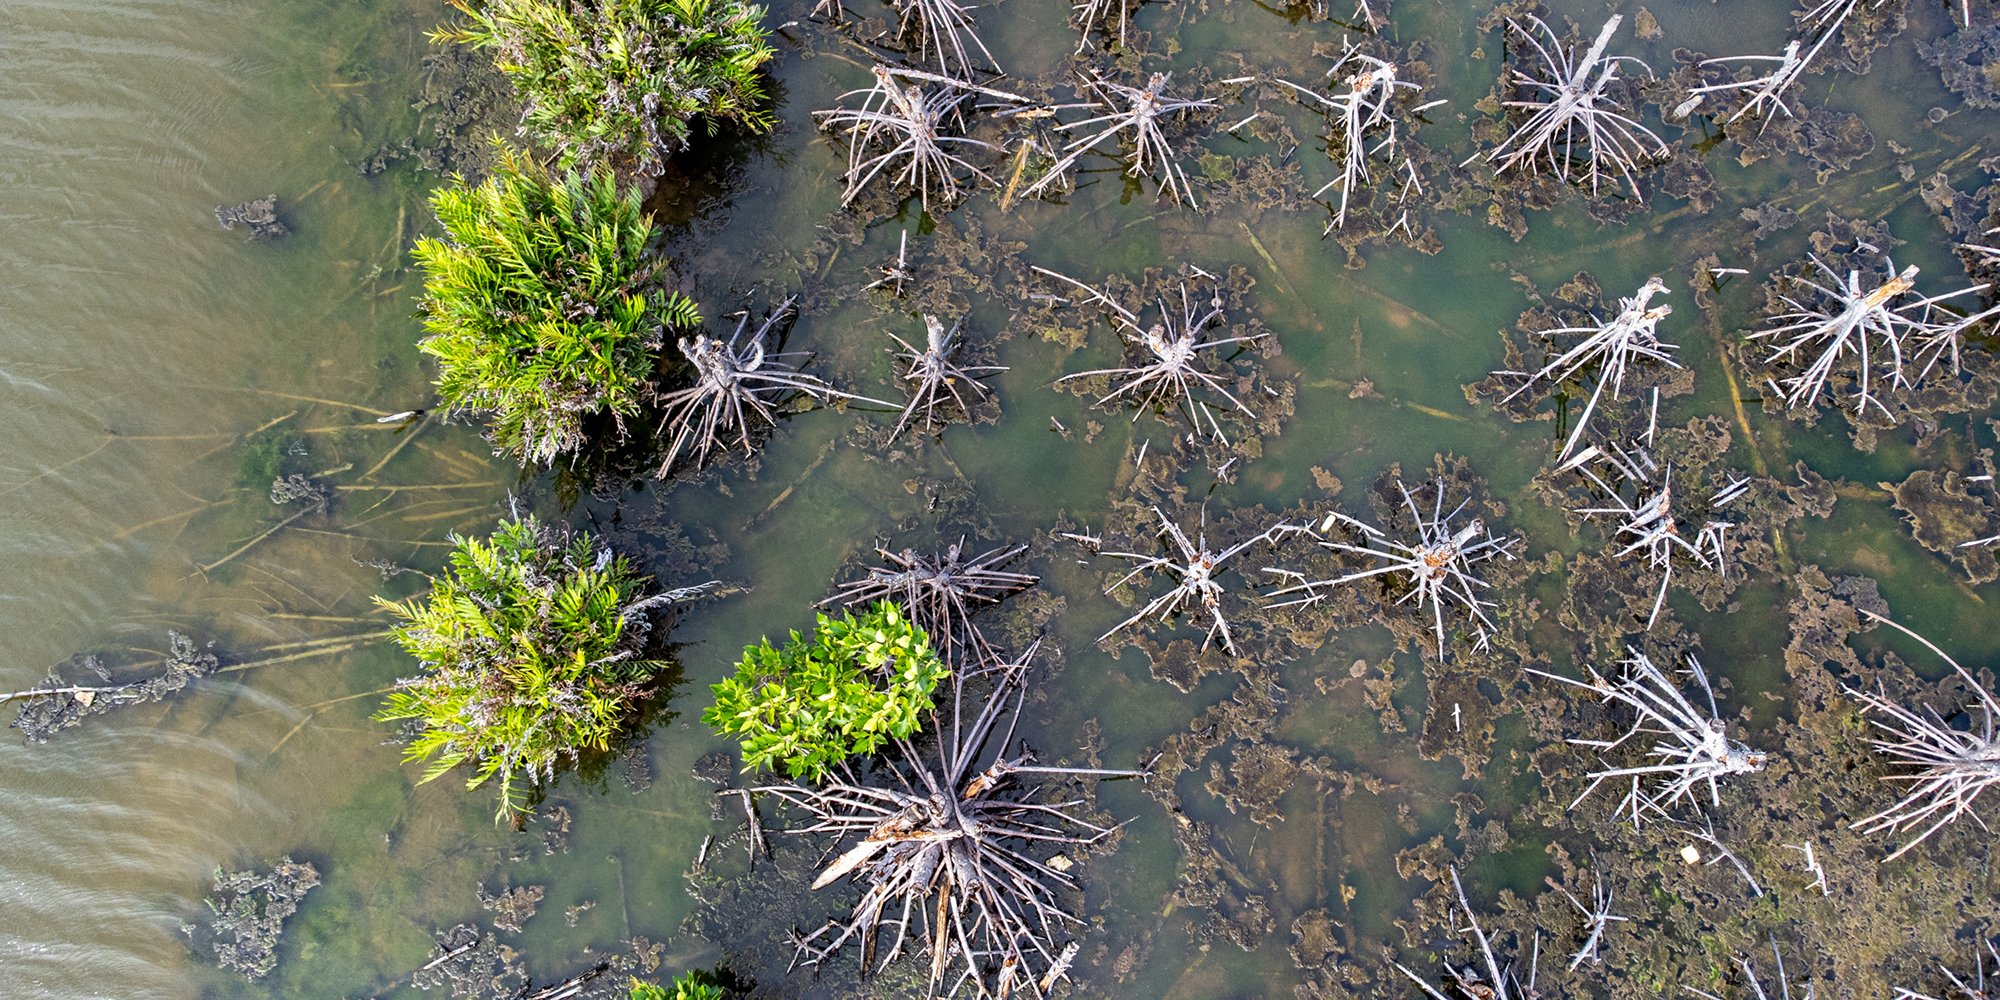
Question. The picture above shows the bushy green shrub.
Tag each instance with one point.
(688, 986)
(856, 683)
(542, 305)
(605, 80)
(531, 645)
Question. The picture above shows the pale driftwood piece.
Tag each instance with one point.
(1945, 768)
(1195, 569)
(1138, 114)
(1694, 748)
(1437, 567)
(953, 857)
(1610, 347)
(1168, 370)
(1570, 116)
(935, 376)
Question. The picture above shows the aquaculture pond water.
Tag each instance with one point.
(1306, 797)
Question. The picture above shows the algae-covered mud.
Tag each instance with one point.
(1416, 499)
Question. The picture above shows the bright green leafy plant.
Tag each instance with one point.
(855, 684)
(687, 986)
(531, 645)
(624, 81)
(542, 305)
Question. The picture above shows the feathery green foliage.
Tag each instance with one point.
(853, 685)
(542, 304)
(687, 986)
(608, 79)
(530, 644)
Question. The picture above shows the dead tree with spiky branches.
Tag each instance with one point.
(940, 592)
(1597, 918)
(942, 30)
(907, 132)
(1140, 117)
(1437, 567)
(1818, 25)
(1570, 121)
(1610, 348)
(936, 377)
(1363, 116)
(1945, 768)
(1885, 337)
(1167, 369)
(1757, 987)
(1976, 989)
(951, 847)
(1196, 570)
(1649, 522)
(1692, 747)
(1500, 981)
(739, 383)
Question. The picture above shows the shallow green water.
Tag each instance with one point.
(142, 347)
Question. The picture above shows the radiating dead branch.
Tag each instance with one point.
(1499, 981)
(1610, 347)
(735, 380)
(1363, 117)
(1885, 337)
(904, 131)
(935, 376)
(941, 592)
(1694, 750)
(1437, 566)
(942, 30)
(967, 860)
(1648, 521)
(1572, 123)
(1167, 371)
(1138, 114)
(1196, 570)
(1947, 768)
(1817, 25)
(1597, 918)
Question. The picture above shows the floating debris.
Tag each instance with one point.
(249, 909)
(260, 217)
(512, 907)
(58, 705)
